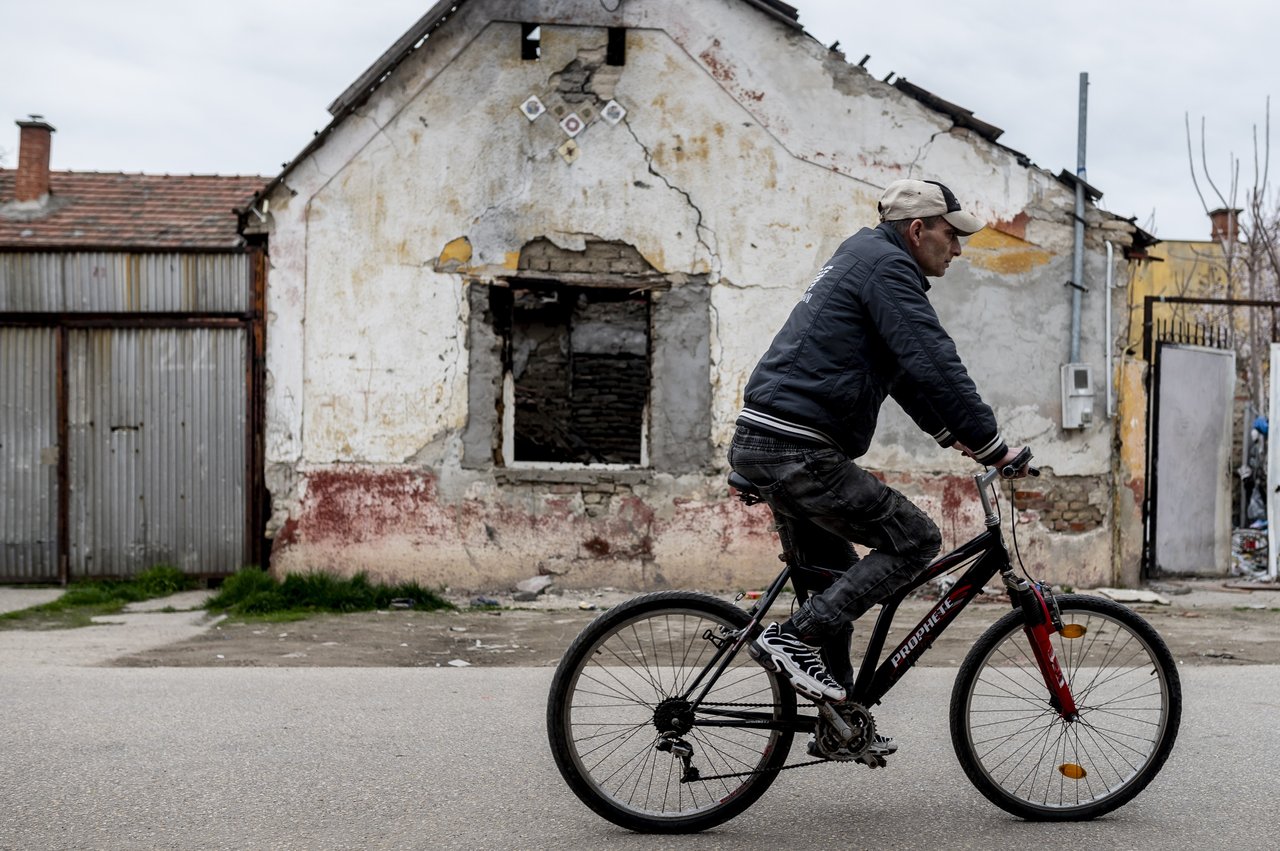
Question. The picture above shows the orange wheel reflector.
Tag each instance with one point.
(1070, 769)
(1073, 630)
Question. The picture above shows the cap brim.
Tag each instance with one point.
(963, 222)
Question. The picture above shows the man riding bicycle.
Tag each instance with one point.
(862, 330)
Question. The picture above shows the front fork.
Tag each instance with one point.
(1040, 622)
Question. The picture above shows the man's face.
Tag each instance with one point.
(934, 246)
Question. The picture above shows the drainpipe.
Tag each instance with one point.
(1077, 262)
(1107, 337)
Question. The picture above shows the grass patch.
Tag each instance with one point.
(252, 593)
(86, 600)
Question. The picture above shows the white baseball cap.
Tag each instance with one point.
(920, 199)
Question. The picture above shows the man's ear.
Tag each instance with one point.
(914, 230)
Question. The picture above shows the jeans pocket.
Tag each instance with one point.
(847, 487)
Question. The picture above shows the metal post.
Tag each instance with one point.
(1077, 265)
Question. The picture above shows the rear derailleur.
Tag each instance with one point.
(671, 743)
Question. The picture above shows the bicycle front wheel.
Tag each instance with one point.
(1030, 761)
(623, 732)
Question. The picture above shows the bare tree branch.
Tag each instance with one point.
(1205, 163)
(1191, 161)
(1266, 155)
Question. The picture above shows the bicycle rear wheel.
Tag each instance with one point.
(1023, 756)
(622, 684)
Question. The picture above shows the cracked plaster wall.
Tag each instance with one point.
(749, 152)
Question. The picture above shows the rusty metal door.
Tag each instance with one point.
(157, 450)
(1191, 453)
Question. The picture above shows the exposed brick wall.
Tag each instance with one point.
(608, 258)
(1064, 503)
(597, 497)
(541, 379)
(609, 394)
(581, 374)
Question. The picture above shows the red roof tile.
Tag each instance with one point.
(127, 211)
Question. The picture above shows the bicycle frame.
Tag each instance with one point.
(875, 678)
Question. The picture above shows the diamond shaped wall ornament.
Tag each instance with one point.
(613, 112)
(572, 124)
(569, 151)
(532, 107)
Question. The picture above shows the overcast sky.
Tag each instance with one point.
(239, 86)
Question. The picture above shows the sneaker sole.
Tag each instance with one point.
(770, 662)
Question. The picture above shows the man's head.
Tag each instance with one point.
(928, 217)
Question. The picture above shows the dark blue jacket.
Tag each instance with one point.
(864, 329)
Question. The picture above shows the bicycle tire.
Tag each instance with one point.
(1024, 757)
(605, 709)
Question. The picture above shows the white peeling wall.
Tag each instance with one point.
(748, 153)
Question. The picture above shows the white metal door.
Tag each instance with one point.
(1192, 533)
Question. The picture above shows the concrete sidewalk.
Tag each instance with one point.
(144, 626)
(13, 599)
(141, 626)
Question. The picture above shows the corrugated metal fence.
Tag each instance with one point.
(28, 454)
(126, 433)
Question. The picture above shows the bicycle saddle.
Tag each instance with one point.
(747, 492)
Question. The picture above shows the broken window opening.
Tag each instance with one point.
(616, 52)
(530, 41)
(576, 383)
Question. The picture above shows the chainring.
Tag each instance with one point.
(827, 742)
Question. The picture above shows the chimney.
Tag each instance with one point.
(32, 182)
(1225, 226)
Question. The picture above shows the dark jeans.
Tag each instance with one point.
(821, 502)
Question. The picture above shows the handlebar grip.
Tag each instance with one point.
(1022, 459)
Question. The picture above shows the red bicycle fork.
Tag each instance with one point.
(1040, 624)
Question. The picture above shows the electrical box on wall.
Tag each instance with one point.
(1077, 395)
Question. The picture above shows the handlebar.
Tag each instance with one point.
(984, 479)
(1020, 461)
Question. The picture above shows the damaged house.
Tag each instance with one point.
(517, 285)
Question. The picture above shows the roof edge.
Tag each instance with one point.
(359, 91)
(788, 15)
(961, 116)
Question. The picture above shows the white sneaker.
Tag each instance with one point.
(799, 662)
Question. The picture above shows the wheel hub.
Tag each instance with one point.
(673, 715)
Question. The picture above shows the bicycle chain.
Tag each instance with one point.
(759, 770)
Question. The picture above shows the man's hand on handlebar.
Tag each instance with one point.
(1016, 463)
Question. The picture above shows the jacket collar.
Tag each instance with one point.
(890, 233)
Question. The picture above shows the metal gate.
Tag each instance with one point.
(1189, 516)
(156, 447)
(129, 414)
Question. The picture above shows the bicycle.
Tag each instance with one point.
(1064, 709)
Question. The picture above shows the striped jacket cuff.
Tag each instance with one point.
(991, 451)
(945, 437)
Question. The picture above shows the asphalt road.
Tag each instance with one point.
(457, 758)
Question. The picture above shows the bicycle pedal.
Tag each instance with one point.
(872, 761)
